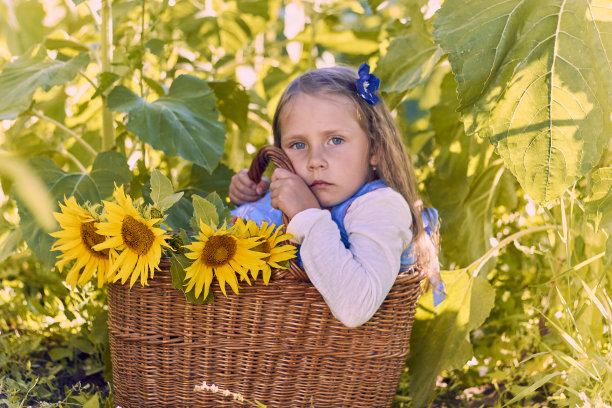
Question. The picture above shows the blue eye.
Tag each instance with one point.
(336, 140)
(298, 145)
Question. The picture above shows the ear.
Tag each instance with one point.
(373, 158)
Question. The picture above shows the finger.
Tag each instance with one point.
(281, 174)
(242, 178)
(244, 189)
(262, 186)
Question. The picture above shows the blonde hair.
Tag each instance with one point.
(394, 165)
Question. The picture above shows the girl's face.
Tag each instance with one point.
(326, 145)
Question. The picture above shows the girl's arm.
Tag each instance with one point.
(354, 282)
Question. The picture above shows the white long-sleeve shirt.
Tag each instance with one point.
(355, 281)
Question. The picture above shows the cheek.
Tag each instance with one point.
(296, 160)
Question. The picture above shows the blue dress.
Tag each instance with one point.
(262, 210)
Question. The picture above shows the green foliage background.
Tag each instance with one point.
(504, 106)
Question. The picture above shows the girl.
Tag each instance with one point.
(352, 204)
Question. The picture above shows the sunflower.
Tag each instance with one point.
(139, 241)
(77, 238)
(272, 238)
(222, 253)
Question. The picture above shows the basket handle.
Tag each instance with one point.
(277, 156)
(265, 155)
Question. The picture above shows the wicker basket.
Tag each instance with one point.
(278, 344)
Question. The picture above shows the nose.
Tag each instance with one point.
(317, 159)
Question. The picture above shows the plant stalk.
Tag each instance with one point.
(142, 47)
(76, 161)
(483, 259)
(66, 129)
(106, 42)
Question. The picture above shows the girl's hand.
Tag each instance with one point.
(244, 190)
(290, 194)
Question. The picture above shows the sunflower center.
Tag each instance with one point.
(136, 235)
(219, 249)
(266, 248)
(91, 238)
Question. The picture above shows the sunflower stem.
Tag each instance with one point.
(73, 159)
(88, 79)
(106, 41)
(480, 262)
(142, 47)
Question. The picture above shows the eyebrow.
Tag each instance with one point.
(326, 132)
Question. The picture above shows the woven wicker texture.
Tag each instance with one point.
(278, 344)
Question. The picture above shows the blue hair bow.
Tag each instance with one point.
(367, 84)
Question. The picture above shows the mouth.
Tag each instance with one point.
(319, 184)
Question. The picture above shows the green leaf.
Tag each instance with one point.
(205, 211)
(531, 388)
(256, 7)
(232, 100)
(27, 29)
(202, 180)
(30, 190)
(110, 168)
(60, 184)
(465, 178)
(346, 41)
(608, 257)
(599, 201)
(58, 353)
(99, 329)
(374, 3)
(156, 86)
(161, 186)
(184, 122)
(9, 242)
(535, 79)
(445, 120)
(20, 78)
(105, 80)
(410, 58)
(162, 192)
(177, 269)
(180, 214)
(156, 46)
(439, 339)
(169, 201)
(405, 66)
(84, 187)
(224, 213)
(93, 402)
(59, 43)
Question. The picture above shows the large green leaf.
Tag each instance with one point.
(203, 181)
(107, 169)
(410, 58)
(179, 215)
(599, 202)
(535, 79)
(24, 28)
(346, 41)
(439, 339)
(184, 122)
(20, 78)
(465, 184)
(110, 168)
(408, 63)
(233, 101)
